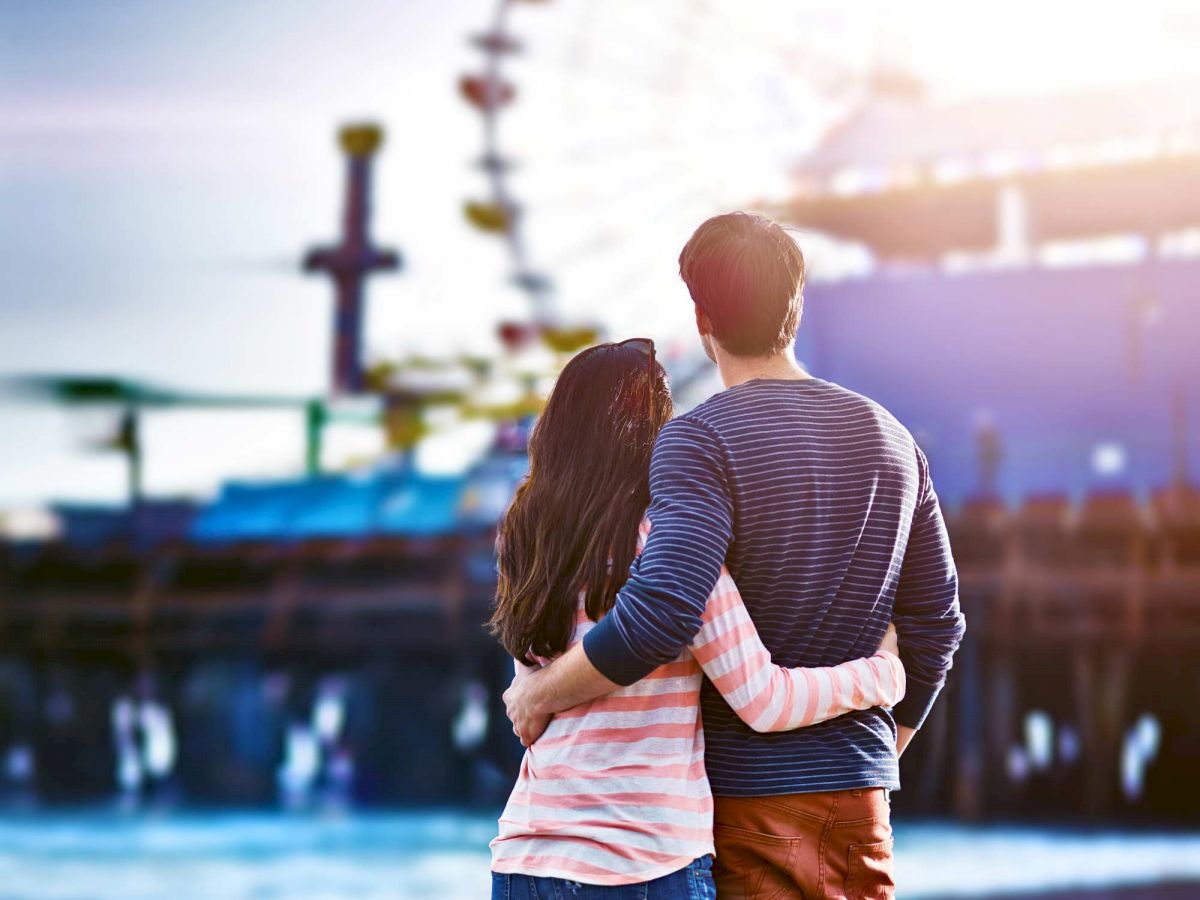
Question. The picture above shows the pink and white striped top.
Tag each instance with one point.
(615, 791)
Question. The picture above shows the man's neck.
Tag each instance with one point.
(737, 370)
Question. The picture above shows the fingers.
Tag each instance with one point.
(526, 726)
(529, 729)
(521, 730)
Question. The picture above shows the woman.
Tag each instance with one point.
(612, 800)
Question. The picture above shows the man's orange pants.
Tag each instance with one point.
(835, 844)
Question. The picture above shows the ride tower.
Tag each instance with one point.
(353, 258)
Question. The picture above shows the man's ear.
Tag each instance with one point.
(703, 322)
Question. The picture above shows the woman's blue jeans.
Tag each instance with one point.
(695, 882)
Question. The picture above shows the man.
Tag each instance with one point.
(822, 506)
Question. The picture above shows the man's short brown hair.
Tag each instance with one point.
(747, 275)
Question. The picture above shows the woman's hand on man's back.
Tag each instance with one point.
(891, 640)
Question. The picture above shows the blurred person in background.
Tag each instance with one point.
(821, 505)
(614, 794)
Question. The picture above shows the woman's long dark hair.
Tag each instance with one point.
(572, 525)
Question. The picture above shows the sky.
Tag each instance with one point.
(163, 166)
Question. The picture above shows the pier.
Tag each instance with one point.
(1084, 621)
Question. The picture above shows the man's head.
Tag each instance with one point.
(746, 277)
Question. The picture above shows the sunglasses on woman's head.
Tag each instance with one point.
(645, 346)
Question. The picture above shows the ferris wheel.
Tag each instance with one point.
(610, 130)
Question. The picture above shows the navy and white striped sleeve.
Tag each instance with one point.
(926, 611)
(657, 613)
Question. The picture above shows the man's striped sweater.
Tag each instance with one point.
(821, 504)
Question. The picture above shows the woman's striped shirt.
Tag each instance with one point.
(615, 791)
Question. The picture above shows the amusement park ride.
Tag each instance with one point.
(353, 259)
(398, 393)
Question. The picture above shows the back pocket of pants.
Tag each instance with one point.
(869, 872)
(753, 864)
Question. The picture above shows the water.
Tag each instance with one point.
(443, 856)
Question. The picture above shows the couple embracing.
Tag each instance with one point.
(772, 565)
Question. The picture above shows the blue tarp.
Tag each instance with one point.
(386, 502)
(336, 506)
(420, 507)
(248, 511)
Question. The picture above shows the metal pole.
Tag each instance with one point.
(314, 424)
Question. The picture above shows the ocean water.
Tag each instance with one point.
(442, 855)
